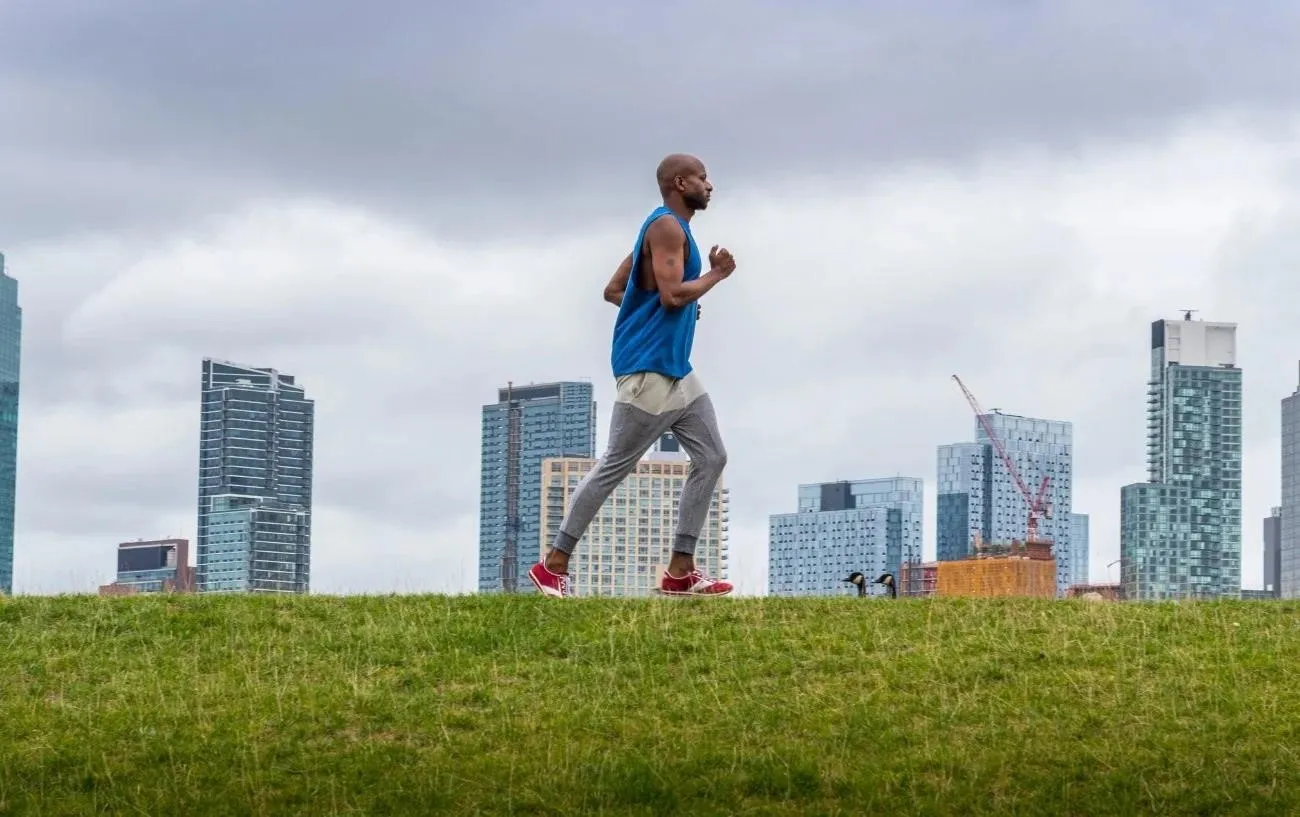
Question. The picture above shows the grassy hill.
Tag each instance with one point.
(420, 704)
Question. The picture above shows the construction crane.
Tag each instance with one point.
(1038, 506)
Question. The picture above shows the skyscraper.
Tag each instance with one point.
(1273, 553)
(870, 526)
(1289, 577)
(11, 339)
(1079, 561)
(630, 539)
(526, 425)
(978, 495)
(1180, 532)
(255, 481)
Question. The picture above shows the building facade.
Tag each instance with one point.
(1180, 532)
(964, 499)
(255, 481)
(1289, 555)
(156, 566)
(527, 424)
(977, 496)
(1080, 561)
(870, 526)
(630, 540)
(1273, 553)
(11, 340)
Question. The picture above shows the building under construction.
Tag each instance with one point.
(1018, 569)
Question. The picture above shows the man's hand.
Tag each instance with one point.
(666, 242)
(721, 261)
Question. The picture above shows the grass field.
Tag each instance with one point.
(475, 705)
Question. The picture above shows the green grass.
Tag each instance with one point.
(475, 705)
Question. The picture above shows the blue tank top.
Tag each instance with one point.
(648, 336)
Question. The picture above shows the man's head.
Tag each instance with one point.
(682, 178)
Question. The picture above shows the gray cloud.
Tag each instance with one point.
(154, 110)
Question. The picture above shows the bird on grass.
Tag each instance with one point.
(887, 579)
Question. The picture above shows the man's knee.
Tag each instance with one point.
(713, 460)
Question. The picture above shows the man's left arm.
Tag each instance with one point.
(618, 284)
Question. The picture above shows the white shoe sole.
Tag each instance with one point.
(679, 594)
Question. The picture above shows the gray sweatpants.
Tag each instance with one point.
(646, 406)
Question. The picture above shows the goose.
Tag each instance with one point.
(861, 581)
(887, 579)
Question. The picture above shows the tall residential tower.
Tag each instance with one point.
(1289, 544)
(526, 425)
(255, 481)
(1180, 532)
(11, 338)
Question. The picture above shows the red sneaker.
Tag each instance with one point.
(694, 583)
(551, 584)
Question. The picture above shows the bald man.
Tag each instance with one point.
(657, 290)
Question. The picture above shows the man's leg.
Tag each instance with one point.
(632, 430)
(697, 430)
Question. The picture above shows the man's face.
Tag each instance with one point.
(696, 188)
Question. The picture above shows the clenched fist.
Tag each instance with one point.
(721, 261)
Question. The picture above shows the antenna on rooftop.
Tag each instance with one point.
(1187, 313)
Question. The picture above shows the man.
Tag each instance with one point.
(657, 289)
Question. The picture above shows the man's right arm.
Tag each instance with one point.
(667, 247)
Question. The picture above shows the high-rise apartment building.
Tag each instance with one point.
(870, 526)
(156, 566)
(630, 539)
(526, 425)
(964, 498)
(11, 339)
(1273, 553)
(1079, 556)
(977, 494)
(1289, 556)
(1180, 532)
(255, 481)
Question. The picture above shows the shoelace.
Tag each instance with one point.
(564, 585)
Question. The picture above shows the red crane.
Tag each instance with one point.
(1038, 507)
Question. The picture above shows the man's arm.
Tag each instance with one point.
(666, 241)
(618, 284)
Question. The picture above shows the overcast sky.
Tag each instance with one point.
(406, 204)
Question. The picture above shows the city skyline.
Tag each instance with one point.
(232, 374)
